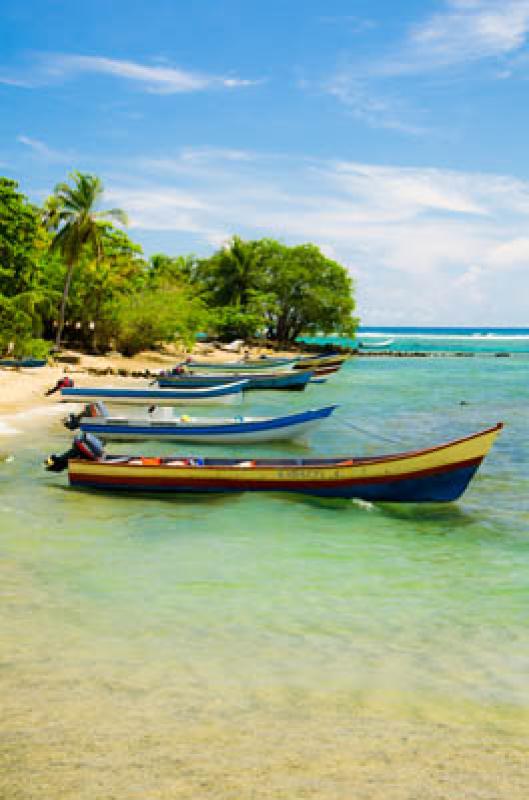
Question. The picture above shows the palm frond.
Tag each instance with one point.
(114, 213)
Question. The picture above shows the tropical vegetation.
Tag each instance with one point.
(69, 274)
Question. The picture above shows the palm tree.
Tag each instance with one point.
(236, 268)
(71, 211)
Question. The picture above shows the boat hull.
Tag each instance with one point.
(288, 381)
(242, 366)
(271, 361)
(272, 429)
(439, 474)
(309, 362)
(231, 393)
(23, 362)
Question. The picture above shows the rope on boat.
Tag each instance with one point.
(372, 435)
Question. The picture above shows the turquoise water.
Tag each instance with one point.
(436, 340)
(269, 646)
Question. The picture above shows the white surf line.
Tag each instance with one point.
(11, 424)
(6, 429)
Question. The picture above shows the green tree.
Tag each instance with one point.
(306, 293)
(157, 316)
(117, 271)
(19, 241)
(231, 322)
(15, 328)
(173, 270)
(23, 255)
(230, 276)
(287, 291)
(79, 225)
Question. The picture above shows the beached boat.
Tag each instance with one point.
(242, 369)
(437, 474)
(23, 362)
(310, 362)
(226, 393)
(96, 420)
(286, 381)
(271, 361)
(263, 365)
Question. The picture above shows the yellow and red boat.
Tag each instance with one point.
(436, 474)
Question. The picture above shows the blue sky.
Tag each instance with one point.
(392, 134)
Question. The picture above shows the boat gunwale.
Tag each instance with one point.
(280, 483)
(159, 393)
(305, 415)
(331, 464)
(297, 375)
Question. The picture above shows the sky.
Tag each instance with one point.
(394, 135)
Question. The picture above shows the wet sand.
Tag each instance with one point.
(77, 724)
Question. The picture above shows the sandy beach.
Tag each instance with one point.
(23, 390)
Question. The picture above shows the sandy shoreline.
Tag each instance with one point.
(24, 390)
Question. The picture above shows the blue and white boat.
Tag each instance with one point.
(161, 425)
(175, 396)
(287, 381)
(23, 362)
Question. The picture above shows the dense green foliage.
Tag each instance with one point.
(25, 292)
(67, 272)
(78, 227)
(264, 287)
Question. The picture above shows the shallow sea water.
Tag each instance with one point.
(276, 646)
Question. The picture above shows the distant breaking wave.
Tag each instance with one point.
(436, 339)
(450, 336)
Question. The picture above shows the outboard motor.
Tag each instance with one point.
(73, 421)
(85, 445)
(63, 383)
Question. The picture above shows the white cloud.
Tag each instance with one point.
(159, 209)
(192, 160)
(41, 150)
(18, 82)
(471, 283)
(461, 34)
(469, 30)
(154, 79)
(437, 245)
(408, 191)
(368, 105)
(511, 254)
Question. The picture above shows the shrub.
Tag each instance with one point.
(15, 328)
(157, 316)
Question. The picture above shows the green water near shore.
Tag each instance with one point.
(270, 646)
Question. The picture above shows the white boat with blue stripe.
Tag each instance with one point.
(95, 419)
(176, 396)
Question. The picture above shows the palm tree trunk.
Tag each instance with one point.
(64, 300)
